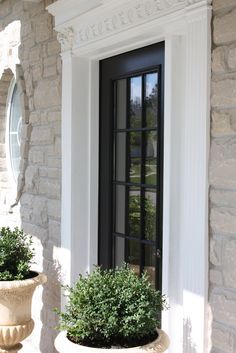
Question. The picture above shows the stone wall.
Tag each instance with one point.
(223, 178)
(39, 184)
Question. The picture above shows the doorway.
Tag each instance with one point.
(131, 161)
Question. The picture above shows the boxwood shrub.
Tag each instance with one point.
(16, 254)
(112, 308)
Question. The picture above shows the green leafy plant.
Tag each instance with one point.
(16, 254)
(112, 308)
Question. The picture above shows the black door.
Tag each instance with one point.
(131, 160)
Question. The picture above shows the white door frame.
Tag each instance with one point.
(90, 30)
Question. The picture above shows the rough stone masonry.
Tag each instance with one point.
(222, 291)
(38, 61)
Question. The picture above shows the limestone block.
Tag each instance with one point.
(59, 65)
(223, 148)
(216, 277)
(41, 135)
(26, 29)
(39, 232)
(27, 200)
(221, 5)
(223, 198)
(229, 263)
(54, 209)
(50, 61)
(232, 58)
(26, 214)
(50, 188)
(32, 179)
(33, 7)
(57, 146)
(43, 28)
(40, 215)
(37, 72)
(36, 157)
(216, 250)
(224, 28)
(47, 94)
(223, 173)
(49, 71)
(54, 162)
(224, 92)
(5, 8)
(54, 173)
(224, 307)
(53, 47)
(29, 83)
(223, 123)
(54, 230)
(43, 171)
(222, 339)
(31, 104)
(26, 131)
(55, 116)
(34, 54)
(223, 220)
(218, 60)
(24, 149)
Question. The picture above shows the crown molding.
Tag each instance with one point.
(81, 22)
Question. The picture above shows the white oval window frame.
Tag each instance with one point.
(11, 89)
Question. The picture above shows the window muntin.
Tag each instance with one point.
(15, 123)
(136, 172)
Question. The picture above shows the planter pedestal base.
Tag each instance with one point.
(11, 336)
(12, 349)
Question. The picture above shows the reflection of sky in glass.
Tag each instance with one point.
(151, 81)
(136, 88)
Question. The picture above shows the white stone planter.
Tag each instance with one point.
(15, 311)
(63, 345)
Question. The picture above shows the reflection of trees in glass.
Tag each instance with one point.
(135, 112)
(135, 217)
(151, 107)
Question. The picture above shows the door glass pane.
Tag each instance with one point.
(149, 262)
(150, 157)
(121, 104)
(120, 156)
(120, 209)
(135, 170)
(135, 153)
(127, 251)
(134, 211)
(150, 215)
(136, 102)
(119, 251)
(151, 99)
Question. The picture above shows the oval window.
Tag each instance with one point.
(15, 121)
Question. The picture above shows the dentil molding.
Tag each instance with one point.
(93, 20)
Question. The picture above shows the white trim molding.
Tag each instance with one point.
(90, 30)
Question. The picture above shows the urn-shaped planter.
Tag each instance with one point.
(16, 322)
(159, 345)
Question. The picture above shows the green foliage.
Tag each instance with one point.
(16, 254)
(150, 216)
(111, 307)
